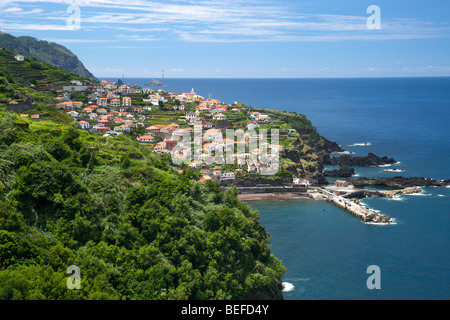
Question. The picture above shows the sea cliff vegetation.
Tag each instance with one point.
(137, 228)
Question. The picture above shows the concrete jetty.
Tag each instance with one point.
(351, 206)
(346, 197)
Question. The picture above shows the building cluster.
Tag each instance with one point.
(111, 110)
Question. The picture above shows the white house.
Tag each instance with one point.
(191, 115)
(341, 183)
(93, 116)
(254, 114)
(126, 102)
(122, 128)
(301, 183)
(114, 103)
(84, 124)
(252, 125)
(219, 116)
(102, 102)
(227, 176)
(217, 110)
(223, 142)
(212, 134)
(19, 57)
(263, 117)
(73, 114)
(189, 96)
(146, 139)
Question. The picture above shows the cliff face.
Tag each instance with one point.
(349, 160)
(47, 52)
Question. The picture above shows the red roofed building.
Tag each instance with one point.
(146, 139)
(84, 124)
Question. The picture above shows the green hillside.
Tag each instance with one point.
(31, 78)
(135, 227)
(44, 51)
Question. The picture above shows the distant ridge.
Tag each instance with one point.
(44, 51)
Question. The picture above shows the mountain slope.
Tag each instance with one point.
(48, 52)
(31, 79)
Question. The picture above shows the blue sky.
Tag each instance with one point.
(241, 38)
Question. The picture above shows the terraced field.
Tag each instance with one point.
(32, 72)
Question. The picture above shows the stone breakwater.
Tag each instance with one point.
(360, 194)
(352, 206)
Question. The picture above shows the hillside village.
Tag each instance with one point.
(160, 118)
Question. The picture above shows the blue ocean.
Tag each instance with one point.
(326, 250)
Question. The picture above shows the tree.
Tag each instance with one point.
(125, 161)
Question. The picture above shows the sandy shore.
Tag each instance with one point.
(272, 196)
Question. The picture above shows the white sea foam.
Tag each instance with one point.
(287, 287)
(422, 194)
(378, 223)
(343, 152)
(393, 221)
(394, 170)
(396, 198)
(360, 144)
(385, 165)
(440, 195)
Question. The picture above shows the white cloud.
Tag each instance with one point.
(213, 21)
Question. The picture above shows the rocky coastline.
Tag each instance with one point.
(398, 182)
(349, 160)
(343, 171)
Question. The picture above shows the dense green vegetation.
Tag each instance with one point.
(44, 51)
(136, 227)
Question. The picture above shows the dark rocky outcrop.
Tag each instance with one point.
(350, 160)
(331, 146)
(399, 182)
(343, 171)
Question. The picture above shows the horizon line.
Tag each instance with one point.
(255, 78)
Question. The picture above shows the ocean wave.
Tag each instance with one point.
(385, 165)
(441, 195)
(422, 194)
(287, 287)
(360, 144)
(396, 198)
(343, 152)
(381, 223)
(394, 170)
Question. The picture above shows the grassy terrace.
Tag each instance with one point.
(26, 77)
